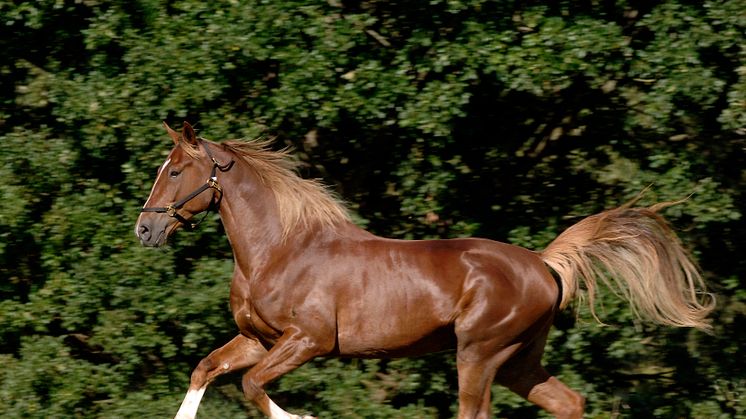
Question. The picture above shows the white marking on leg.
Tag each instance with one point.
(276, 412)
(188, 409)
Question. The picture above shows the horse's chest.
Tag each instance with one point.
(249, 320)
(262, 329)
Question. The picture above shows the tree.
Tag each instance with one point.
(443, 119)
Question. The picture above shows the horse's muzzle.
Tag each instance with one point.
(152, 231)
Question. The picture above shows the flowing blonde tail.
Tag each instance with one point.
(635, 252)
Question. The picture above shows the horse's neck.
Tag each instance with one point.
(250, 217)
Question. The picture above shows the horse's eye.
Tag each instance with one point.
(174, 173)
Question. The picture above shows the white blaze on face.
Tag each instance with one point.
(163, 166)
(161, 170)
(188, 409)
(157, 178)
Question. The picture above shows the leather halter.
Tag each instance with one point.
(212, 183)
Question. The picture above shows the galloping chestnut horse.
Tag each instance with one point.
(309, 283)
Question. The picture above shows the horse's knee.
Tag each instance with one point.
(206, 370)
(251, 389)
(199, 374)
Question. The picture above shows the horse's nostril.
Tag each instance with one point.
(144, 232)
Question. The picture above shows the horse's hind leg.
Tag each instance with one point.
(477, 364)
(524, 375)
(240, 353)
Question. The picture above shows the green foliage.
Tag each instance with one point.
(438, 119)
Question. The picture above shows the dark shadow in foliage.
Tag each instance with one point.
(506, 153)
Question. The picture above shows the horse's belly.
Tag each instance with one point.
(397, 346)
(375, 340)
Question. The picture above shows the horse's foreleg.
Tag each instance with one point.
(240, 353)
(292, 350)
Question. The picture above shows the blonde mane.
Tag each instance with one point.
(302, 203)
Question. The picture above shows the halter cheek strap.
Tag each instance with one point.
(212, 183)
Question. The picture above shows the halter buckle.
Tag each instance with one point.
(213, 183)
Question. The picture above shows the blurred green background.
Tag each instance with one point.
(441, 118)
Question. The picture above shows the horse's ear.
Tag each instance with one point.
(188, 134)
(171, 133)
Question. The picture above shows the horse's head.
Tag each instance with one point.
(186, 185)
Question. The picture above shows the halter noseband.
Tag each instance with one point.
(212, 183)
